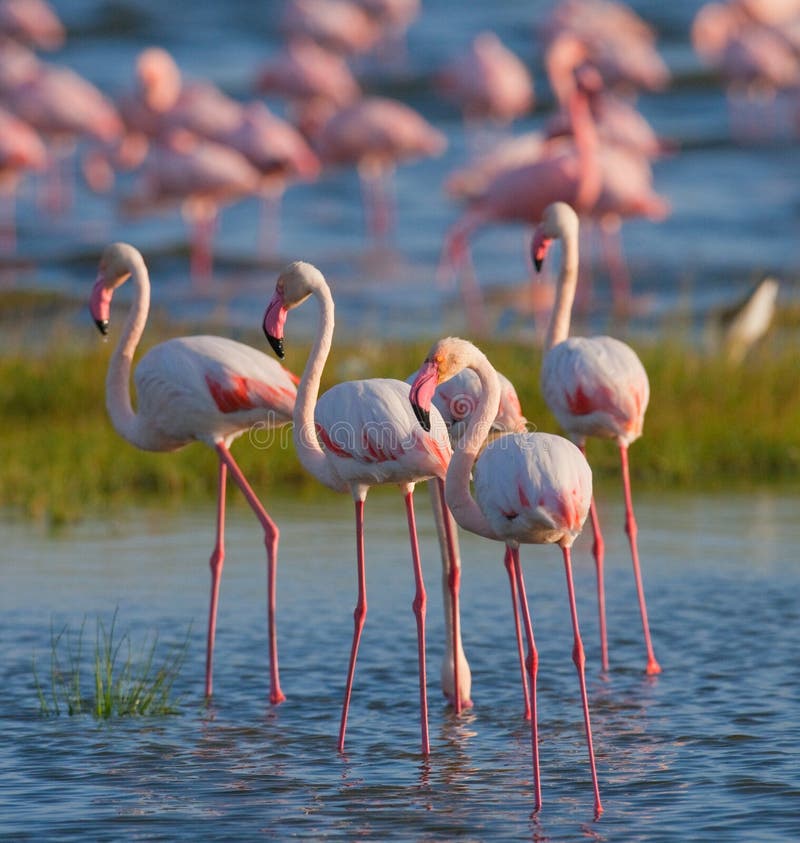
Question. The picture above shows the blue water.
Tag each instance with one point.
(705, 751)
(734, 206)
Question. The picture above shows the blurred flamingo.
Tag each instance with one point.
(340, 25)
(595, 386)
(199, 175)
(530, 488)
(21, 150)
(375, 134)
(194, 389)
(358, 434)
(31, 22)
(487, 82)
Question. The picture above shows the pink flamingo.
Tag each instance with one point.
(305, 72)
(457, 399)
(595, 386)
(59, 104)
(339, 25)
(375, 134)
(358, 434)
(199, 175)
(530, 488)
(21, 150)
(488, 82)
(31, 22)
(194, 389)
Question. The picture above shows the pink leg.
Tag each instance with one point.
(579, 658)
(598, 549)
(510, 568)
(533, 669)
(611, 239)
(216, 562)
(454, 584)
(419, 606)
(359, 616)
(271, 535)
(632, 530)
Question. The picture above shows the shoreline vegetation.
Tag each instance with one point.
(710, 425)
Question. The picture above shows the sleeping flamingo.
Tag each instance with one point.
(357, 435)
(530, 488)
(595, 386)
(193, 389)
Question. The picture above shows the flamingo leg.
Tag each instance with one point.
(510, 568)
(420, 607)
(533, 669)
(359, 616)
(631, 529)
(271, 536)
(445, 526)
(216, 563)
(611, 240)
(579, 657)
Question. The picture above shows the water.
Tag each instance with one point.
(705, 751)
(734, 206)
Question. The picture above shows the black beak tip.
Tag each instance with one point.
(423, 417)
(102, 326)
(537, 262)
(277, 345)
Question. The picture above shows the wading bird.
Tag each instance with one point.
(193, 389)
(530, 488)
(358, 434)
(595, 386)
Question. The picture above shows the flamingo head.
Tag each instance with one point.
(116, 265)
(445, 360)
(557, 220)
(294, 285)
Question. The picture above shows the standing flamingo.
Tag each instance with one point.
(595, 386)
(457, 399)
(530, 488)
(193, 389)
(357, 435)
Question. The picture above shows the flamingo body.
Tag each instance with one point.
(533, 488)
(596, 386)
(381, 441)
(207, 389)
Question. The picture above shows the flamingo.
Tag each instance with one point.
(530, 488)
(358, 434)
(595, 386)
(457, 399)
(375, 134)
(32, 22)
(488, 82)
(194, 389)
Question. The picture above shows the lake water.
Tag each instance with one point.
(734, 205)
(705, 751)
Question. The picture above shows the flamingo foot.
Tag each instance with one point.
(653, 667)
(277, 697)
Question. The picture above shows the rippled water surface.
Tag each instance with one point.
(705, 751)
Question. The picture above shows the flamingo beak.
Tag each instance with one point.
(274, 320)
(422, 390)
(100, 304)
(539, 248)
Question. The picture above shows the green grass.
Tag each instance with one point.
(123, 685)
(709, 425)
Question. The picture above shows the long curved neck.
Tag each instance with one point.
(558, 329)
(118, 393)
(309, 451)
(457, 486)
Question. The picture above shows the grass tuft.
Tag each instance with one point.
(125, 684)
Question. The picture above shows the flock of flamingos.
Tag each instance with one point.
(456, 422)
